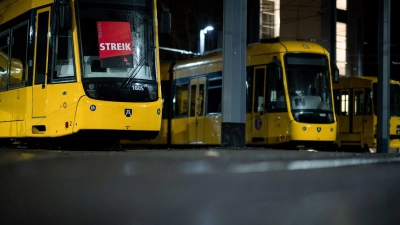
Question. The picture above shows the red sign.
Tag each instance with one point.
(115, 44)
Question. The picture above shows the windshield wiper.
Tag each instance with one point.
(134, 72)
(318, 110)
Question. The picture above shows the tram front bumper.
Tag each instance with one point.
(312, 132)
(105, 115)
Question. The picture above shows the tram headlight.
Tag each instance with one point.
(91, 90)
(152, 90)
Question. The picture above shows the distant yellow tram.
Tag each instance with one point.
(79, 71)
(356, 111)
(289, 99)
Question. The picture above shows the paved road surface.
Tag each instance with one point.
(204, 187)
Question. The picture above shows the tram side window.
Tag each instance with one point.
(193, 101)
(64, 63)
(180, 100)
(275, 97)
(41, 48)
(214, 96)
(259, 90)
(359, 103)
(336, 94)
(200, 101)
(19, 53)
(4, 72)
(368, 102)
(249, 90)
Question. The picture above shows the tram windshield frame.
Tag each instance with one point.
(117, 39)
(309, 87)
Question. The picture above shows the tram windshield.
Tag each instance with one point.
(309, 90)
(117, 39)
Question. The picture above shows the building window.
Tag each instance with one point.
(341, 4)
(269, 19)
(341, 47)
(341, 40)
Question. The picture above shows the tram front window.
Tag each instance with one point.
(117, 39)
(309, 88)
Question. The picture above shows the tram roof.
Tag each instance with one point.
(10, 9)
(358, 81)
(254, 50)
(369, 78)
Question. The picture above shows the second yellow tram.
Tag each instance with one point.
(289, 100)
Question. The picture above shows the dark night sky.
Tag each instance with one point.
(189, 16)
(371, 11)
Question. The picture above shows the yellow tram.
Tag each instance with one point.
(356, 112)
(79, 70)
(289, 100)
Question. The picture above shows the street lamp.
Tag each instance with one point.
(202, 36)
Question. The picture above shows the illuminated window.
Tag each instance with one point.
(344, 109)
(341, 40)
(269, 18)
(341, 4)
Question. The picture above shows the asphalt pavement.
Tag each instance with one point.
(202, 186)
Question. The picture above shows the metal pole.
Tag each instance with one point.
(233, 125)
(333, 31)
(383, 129)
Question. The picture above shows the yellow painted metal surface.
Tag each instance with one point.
(179, 131)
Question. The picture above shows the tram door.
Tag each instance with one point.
(197, 110)
(39, 95)
(344, 116)
(358, 111)
(258, 116)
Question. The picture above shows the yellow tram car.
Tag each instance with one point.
(79, 71)
(289, 99)
(356, 111)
